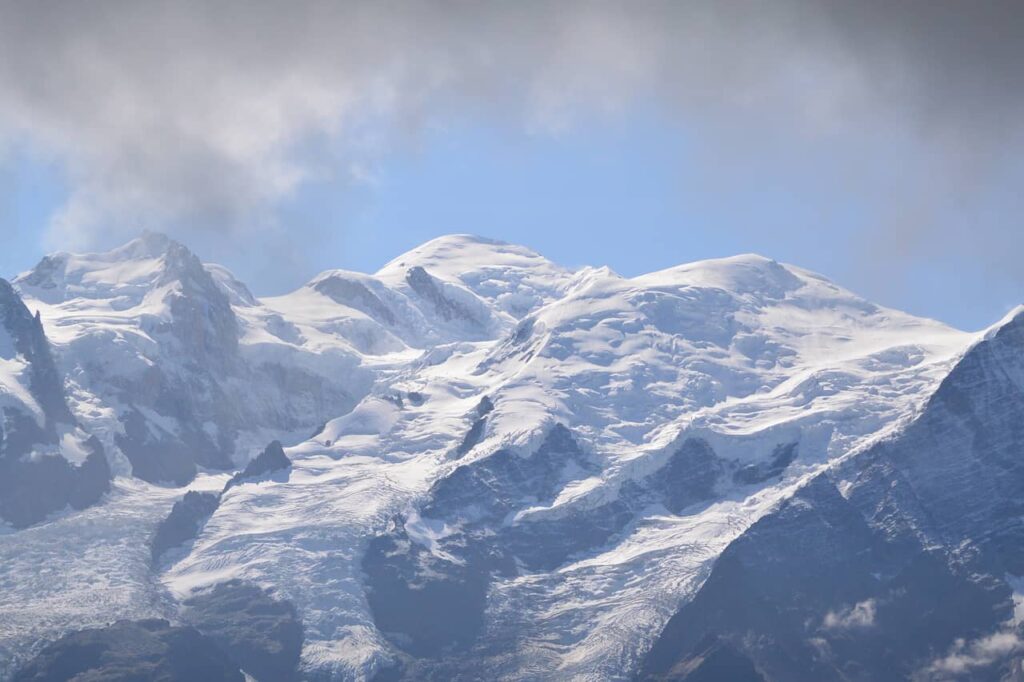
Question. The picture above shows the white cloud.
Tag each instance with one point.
(860, 615)
(965, 657)
(206, 113)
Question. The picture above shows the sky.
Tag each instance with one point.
(877, 143)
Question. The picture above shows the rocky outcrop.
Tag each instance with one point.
(130, 651)
(433, 601)
(190, 513)
(35, 479)
(271, 460)
(26, 330)
(186, 520)
(261, 634)
(835, 586)
(356, 295)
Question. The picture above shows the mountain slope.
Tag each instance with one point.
(500, 468)
(833, 584)
(771, 370)
(46, 461)
(175, 366)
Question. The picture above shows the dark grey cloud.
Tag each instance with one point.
(207, 113)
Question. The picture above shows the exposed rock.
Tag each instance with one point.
(270, 460)
(35, 480)
(689, 476)
(476, 431)
(131, 651)
(45, 382)
(187, 517)
(156, 459)
(355, 295)
(430, 290)
(909, 563)
(261, 634)
(428, 604)
(782, 457)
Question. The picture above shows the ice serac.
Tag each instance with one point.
(832, 585)
(38, 434)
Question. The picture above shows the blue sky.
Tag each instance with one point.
(879, 144)
(635, 193)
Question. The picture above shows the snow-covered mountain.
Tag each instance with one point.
(495, 467)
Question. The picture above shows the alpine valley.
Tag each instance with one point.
(476, 464)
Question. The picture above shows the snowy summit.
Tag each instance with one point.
(478, 464)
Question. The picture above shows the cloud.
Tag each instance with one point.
(965, 657)
(207, 113)
(860, 615)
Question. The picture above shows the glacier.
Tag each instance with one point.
(490, 466)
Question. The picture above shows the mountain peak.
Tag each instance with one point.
(515, 278)
(147, 245)
(1013, 319)
(152, 259)
(444, 252)
(747, 273)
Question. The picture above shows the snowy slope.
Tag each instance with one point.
(540, 463)
(926, 521)
(47, 461)
(174, 365)
(744, 353)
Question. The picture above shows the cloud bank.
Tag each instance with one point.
(207, 113)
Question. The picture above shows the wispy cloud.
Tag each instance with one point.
(860, 615)
(967, 657)
(206, 113)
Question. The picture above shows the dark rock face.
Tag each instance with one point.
(35, 485)
(356, 295)
(425, 605)
(32, 489)
(45, 382)
(202, 320)
(490, 488)
(261, 635)
(132, 651)
(432, 604)
(690, 476)
(782, 457)
(154, 459)
(267, 462)
(715, 661)
(428, 288)
(190, 513)
(881, 582)
(476, 431)
(199, 338)
(187, 517)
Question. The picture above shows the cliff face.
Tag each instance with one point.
(36, 478)
(907, 573)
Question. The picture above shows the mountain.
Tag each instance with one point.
(47, 462)
(833, 584)
(175, 365)
(477, 464)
